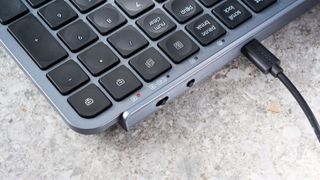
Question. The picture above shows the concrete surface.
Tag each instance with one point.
(239, 124)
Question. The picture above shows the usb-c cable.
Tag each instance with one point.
(267, 62)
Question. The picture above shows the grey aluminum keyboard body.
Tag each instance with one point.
(173, 83)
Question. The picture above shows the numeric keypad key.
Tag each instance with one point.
(120, 83)
(89, 102)
(156, 24)
(77, 35)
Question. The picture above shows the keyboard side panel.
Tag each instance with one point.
(214, 63)
(135, 109)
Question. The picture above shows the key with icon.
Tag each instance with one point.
(120, 83)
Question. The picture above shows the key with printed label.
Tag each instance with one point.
(232, 13)
(178, 46)
(89, 102)
(120, 83)
(106, 19)
(150, 64)
(77, 35)
(133, 8)
(156, 24)
(128, 41)
(98, 59)
(57, 14)
(205, 29)
(36, 40)
(183, 10)
(68, 77)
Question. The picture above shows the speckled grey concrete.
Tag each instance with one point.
(239, 124)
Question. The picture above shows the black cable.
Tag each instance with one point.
(264, 60)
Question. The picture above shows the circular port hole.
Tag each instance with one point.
(191, 83)
(162, 102)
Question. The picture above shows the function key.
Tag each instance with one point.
(183, 10)
(209, 3)
(128, 41)
(89, 102)
(11, 10)
(232, 13)
(68, 77)
(98, 59)
(106, 19)
(57, 14)
(37, 3)
(178, 46)
(120, 83)
(85, 6)
(134, 8)
(205, 29)
(156, 24)
(150, 64)
(77, 35)
(36, 40)
(258, 6)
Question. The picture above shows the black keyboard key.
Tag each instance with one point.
(89, 102)
(178, 46)
(43, 48)
(150, 64)
(98, 59)
(57, 14)
(134, 8)
(258, 6)
(120, 83)
(37, 3)
(106, 19)
(128, 41)
(68, 77)
(183, 10)
(85, 6)
(209, 3)
(205, 29)
(156, 24)
(232, 13)
(77, 35)
(11, 10)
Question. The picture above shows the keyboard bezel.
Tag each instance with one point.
(134, 109)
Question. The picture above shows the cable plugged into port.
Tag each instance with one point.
(266, 62)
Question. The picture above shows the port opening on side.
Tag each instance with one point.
(162, 102)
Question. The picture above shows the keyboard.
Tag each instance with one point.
(101, 61)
